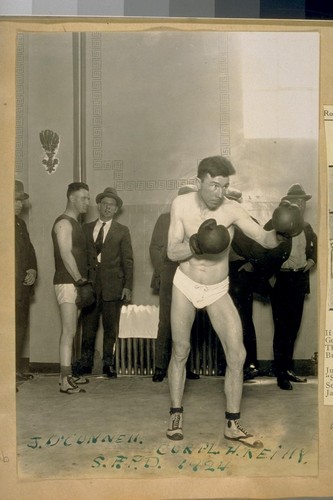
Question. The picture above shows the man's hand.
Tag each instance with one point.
(126, 295)
(248, 267)
(309, 263)
(30, 277)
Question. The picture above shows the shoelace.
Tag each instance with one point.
(71, 382)
(176, 421)
(240, 428)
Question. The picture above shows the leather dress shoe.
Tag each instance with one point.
(192, 376)
(159, 375)
(250, 372)
(284, 383)
(109, 371)
(20, 376)
(295, 378)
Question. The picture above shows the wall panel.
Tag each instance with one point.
(49, 96)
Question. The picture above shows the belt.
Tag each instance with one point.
(291, 270)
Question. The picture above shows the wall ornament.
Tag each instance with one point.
(50, 142)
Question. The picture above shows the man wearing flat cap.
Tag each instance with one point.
(288, 294)
(25, 277)
(110, 268)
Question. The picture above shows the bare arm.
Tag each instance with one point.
(178, 243)
(63, 230)
(268, 239)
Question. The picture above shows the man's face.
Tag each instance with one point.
(107, 208)
(80, 200)
(213, 189)
(18, 206)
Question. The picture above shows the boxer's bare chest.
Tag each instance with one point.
(194, 215)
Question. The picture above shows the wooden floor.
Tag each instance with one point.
(116, 429)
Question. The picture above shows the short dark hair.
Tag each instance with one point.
(215, 166)
(76, 186)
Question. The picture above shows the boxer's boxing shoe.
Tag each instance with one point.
(77, 380)
(235, 432)
(68, 386)
(80, 380)
(175, 430)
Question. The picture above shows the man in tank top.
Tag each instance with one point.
(70, 276)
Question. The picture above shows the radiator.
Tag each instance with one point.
(136, 356)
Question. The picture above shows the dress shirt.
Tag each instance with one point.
(97, 227)
(297, 257)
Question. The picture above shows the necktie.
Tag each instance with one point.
(99, 239)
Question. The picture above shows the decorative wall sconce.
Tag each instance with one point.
(50, 143)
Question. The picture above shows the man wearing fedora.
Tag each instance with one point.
(110, 268)
(290, 288)
(250, 268)
(25, 278)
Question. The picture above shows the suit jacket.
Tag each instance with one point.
(158, 251)
(116, 266)
(25, 258)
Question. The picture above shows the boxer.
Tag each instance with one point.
(202, 281)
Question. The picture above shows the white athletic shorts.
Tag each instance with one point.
(65, 292)
(200, 295)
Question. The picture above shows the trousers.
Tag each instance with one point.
(21, 325)
(163, 341)
(287, 298)
(110, 312)
(241, 292)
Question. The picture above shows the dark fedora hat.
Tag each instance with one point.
(110, 192)
(19, 191)
(296, 191)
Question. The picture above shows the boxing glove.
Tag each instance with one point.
(287, 219)
(210, 238)
(85, 293)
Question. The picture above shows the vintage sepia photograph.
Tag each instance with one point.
(166, 254)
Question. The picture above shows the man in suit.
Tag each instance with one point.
(241, 288)
(110, 269)
(164, 271)
(250, 268)
(25, 278)
(288, 294)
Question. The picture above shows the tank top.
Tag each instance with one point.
(61, 274)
